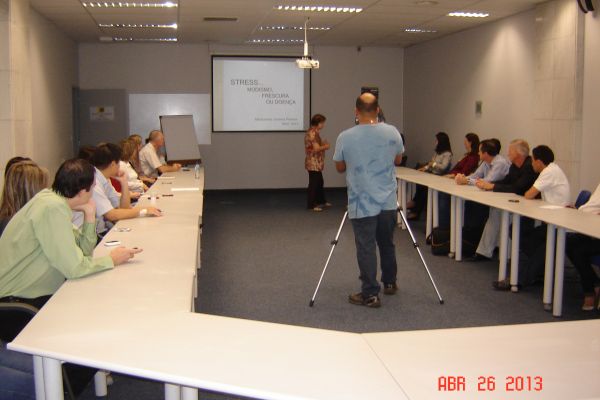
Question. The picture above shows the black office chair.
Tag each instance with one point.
(582, 198)
(14, 317)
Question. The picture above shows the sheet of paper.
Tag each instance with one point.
(551, 207)
(190, 189)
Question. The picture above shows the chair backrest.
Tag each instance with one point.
(582, 198)
(13, 318)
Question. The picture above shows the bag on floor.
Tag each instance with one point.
(440, 242)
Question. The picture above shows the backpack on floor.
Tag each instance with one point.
(440, 242)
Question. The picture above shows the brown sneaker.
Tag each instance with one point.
(390, 288)
(371, 301)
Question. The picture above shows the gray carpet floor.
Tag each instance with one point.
(263, 253)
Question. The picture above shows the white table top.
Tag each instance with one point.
(247, 358)
(568, 218)
(136, 320)
(565, 355)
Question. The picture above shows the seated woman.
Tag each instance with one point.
(468, 164)
(438, 165)
(135, 162)
(24, 179)
(129, 151)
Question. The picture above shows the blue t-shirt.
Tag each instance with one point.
(369, 152)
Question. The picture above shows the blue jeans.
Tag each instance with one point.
(16, 375)
(368, 232)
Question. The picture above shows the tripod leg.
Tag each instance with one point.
(333, 244)
(416, 245)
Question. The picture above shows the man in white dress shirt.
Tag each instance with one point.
(110, 205)
(150, 161)
(554, 188)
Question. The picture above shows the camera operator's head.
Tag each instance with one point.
(367, 108)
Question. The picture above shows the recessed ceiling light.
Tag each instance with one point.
(293, 28)
(418, 30)
(426, 3)
(172, 26)
(126, 4)
(313, 8)
(275, 41)
(467, 14)
(130, 39)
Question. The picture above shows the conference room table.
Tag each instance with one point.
(138, 320)
(558, 219)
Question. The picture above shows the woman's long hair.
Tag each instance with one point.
(23, 181)
(474, 140)
(443, 143)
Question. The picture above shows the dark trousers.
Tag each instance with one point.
(315, 194)
(368, 232)
(533, 244)
(580, 249)
(420, 199)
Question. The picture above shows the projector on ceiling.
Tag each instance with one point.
(307, 63)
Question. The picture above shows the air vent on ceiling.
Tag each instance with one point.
(220, 19)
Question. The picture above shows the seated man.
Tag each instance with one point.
(150, 161)
(40, 249)
(520, 178)
(110, 206)
(493, 168)
(554, 188)
(580, 250)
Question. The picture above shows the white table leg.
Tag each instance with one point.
(403, 201)
(38, 376)
(436, 215)
(452, 226)
(100, 384)
(559, 272)
(429, 220)
(172, 392)
(514, 252)
(189, 393)
(53, 384)
(503, 245)
(459, 224)
(549, 269)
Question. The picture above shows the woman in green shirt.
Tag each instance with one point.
(40, 248)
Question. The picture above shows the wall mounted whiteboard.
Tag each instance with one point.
(146, 108)
(180, 139)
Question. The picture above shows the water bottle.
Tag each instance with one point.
(197, 171)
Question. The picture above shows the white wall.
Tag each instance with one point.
(252, 160)
(445, 77)
(53, 68)
(590, 172)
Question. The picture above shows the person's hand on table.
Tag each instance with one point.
(150, 211)
(460, 179)
(122, 254)
(484, 185)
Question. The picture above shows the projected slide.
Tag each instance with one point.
(259, 94)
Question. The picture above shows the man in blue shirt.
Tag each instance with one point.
(367, 153)
(493, 167)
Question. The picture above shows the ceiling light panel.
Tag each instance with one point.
(319, 9)
(468, 14)
(126, 4)
(145, 26)
(292, 28)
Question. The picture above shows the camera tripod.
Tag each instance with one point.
(334, 242)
